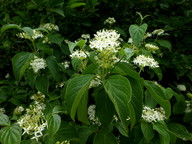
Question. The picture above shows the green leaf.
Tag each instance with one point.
(53, 67)
(9, 26)
(67, 131)
(159, 96)
(104, 138)
(89, 69)
(46, 49)
(71, 46)
(54, 122)
(81, 43)
(56, 38)
(28, 31)
(179, 131)
(20, 63)
(76, 63)
(147, 131)
(31, 77)
(137, 97)
(85, 132)
(75, 90)
(58, 11)
(104, 107)
(122, 128)
(11, 134)
(158, 72)
(125, 69)
(119, 91)
(4, 119)
(121, 31)
(42, 84)
(77, 4)
(137, 33)
(132, 116)
(165, 44)
(82, 110)
(164, 135)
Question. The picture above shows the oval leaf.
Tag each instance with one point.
(75, 91)
(179, 131)
(119, 91)
(11, 134)
(159, 97)
(20, 63)
(9, 26)
(137, 33)
(54, 122)
(4, 119)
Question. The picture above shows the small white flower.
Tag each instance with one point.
(37, 64)
(158, 32)
(50, 27)
(151, 47)
(18, 110)
(7, 76)
(110, 20)
(66, 64)
(181, 87)
(85, 36)
(143, 61)
(91, 115)
(79, 54)
(95, 82)
(188, 108)
(130, 40)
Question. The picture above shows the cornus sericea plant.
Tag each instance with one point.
(98, 89)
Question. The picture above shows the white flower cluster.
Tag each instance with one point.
(153, 115)
(188, 108)
(151, 47)
(181, 87)
(85, 36)
(50, 26)
(36, 34)
(95, 82)
(63, 142)
(144, 61)
(18, 110)
(110, 20)
(37, 64)
(79, 54)
(91, 115)
(158, 32)
(33, 122)
(105, 40)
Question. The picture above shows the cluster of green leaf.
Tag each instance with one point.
(123, 90)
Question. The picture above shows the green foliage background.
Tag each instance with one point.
(76, 17)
